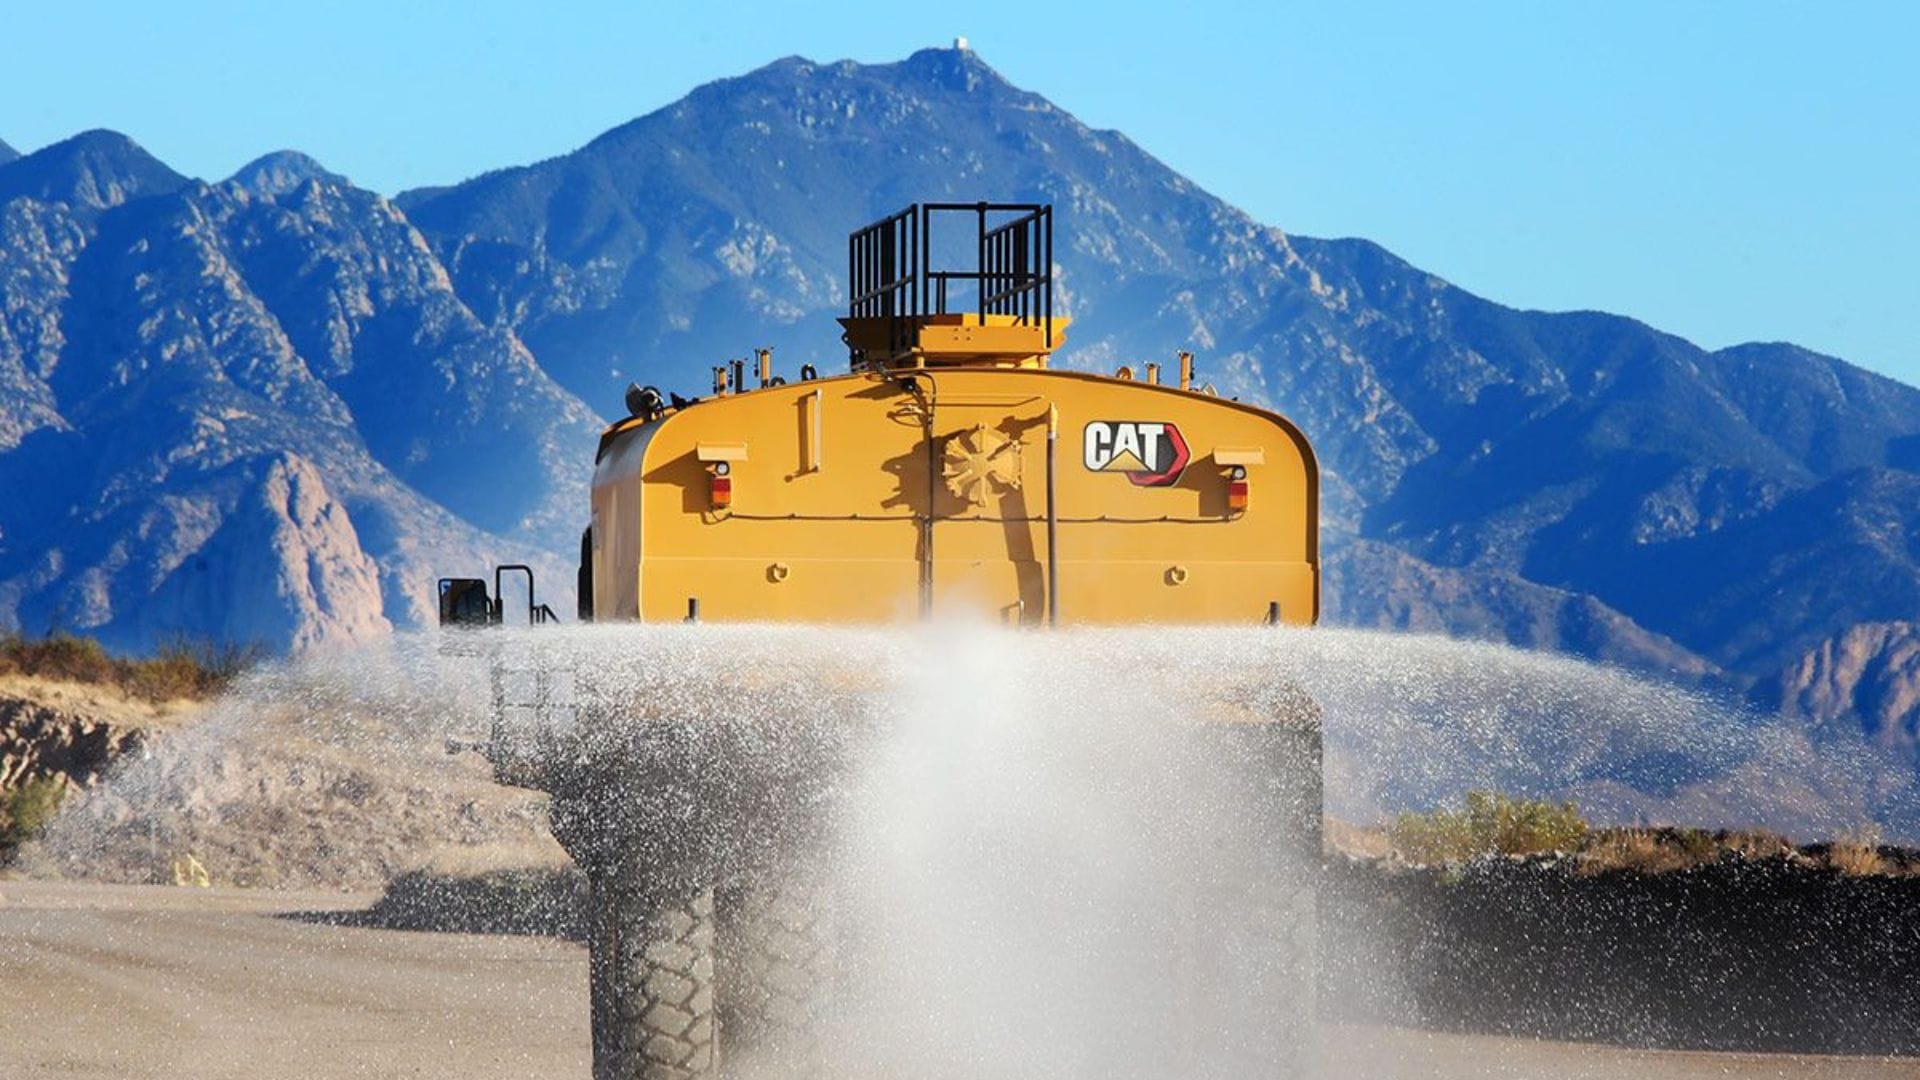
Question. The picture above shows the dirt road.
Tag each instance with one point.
(130, 981)
(153, 981)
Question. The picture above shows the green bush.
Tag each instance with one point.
(1489, 824)
(27, 810)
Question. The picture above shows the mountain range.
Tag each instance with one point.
(278, 405)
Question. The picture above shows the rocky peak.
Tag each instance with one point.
(93, 171)
(7, 153)
(273, 175)
(956, 68)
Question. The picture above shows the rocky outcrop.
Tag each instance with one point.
(284, 569)
(1868, 677)
(72, 733)
(36, 741)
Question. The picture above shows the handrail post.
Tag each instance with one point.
(980, 265)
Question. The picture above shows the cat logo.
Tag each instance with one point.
(1151, 453)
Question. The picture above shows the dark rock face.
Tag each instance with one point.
(1576, 480)
(1768, 954)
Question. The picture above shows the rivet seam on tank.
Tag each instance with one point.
(1176, 575)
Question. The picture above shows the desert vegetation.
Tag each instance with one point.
(180, 669)
(26, 809)
(1489, 823)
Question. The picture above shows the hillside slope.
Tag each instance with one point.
(252, 411)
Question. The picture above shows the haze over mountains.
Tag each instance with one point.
(277, 406)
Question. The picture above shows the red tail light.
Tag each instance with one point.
(720, 494)
(1237, 495)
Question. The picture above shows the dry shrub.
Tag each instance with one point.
(186, 668)
(1489, 824)
(182, 668)
(60, 657)
(1645, 851)
(1756, 844)
(1858, 854)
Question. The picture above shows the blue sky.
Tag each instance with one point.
(1729, 172)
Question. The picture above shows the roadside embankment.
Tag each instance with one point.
(58, 737)
(261, 787)
(1784, 952)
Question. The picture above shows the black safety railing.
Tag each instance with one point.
(891, 276)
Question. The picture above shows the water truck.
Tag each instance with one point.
(950, 471)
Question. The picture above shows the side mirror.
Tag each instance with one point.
(464, 602)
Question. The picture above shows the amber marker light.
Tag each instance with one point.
(1237, 488)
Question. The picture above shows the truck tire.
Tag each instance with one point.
(776, 981)
(652, 971)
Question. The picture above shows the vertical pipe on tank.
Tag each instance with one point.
(926, 530)
(1053, 520)
(813, 406)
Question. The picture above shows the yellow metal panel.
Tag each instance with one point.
(1011, 340)
(844, 535)
(790, 589)
(961, 338)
